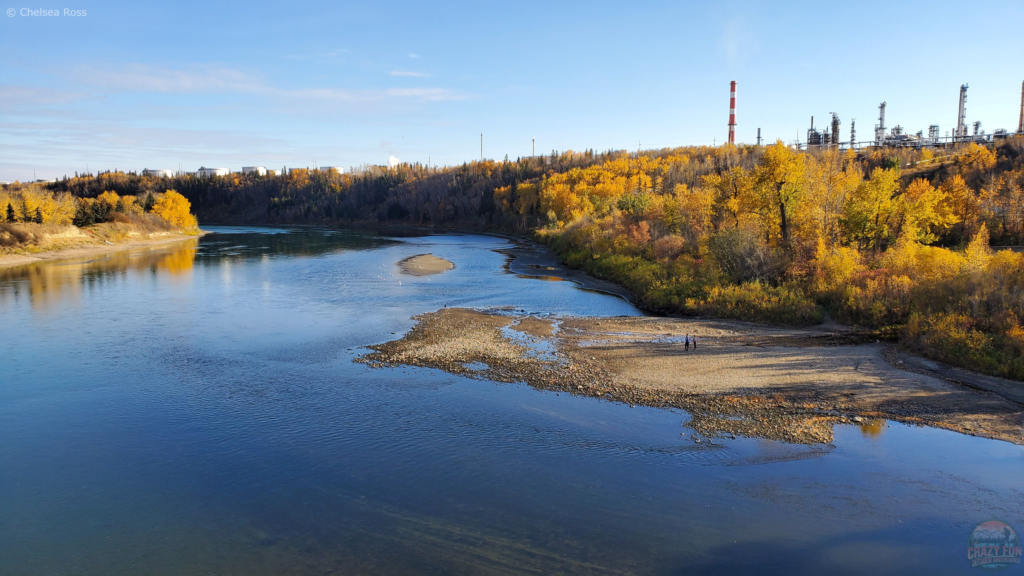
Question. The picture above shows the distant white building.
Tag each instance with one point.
(208, 172)
(273, 172)
(158, 173)
(335, 169)
(258, 170)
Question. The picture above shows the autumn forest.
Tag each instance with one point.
(903, 243)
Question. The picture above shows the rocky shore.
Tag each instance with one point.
(783, 384)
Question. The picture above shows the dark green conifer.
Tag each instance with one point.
(83, 216)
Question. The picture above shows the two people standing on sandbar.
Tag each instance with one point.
(687, 341)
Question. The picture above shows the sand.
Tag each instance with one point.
(90, 249)
(425, 265)
(743, 379)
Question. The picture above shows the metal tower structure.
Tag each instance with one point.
(1020, 125)
(853, 133)
(835, 129)
(880, 127)
(732, 112)
(961, 117)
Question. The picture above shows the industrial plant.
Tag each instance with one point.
(895, 137)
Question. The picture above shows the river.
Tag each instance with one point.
(194, 409)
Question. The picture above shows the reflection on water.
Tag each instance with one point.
(544, 278)
(872, 428)
(50, 283)
(251, 243)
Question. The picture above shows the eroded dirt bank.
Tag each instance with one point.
(742, 379)
(72, 242)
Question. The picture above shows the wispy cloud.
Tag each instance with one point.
(145, 78)
(105, 115)
(213, 79)
(413, 55)
(431, 94)
(330, 94)
(337, 53)
(16, 96)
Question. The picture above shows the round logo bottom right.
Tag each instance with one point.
(993, 546)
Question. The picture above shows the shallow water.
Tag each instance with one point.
(195, 410)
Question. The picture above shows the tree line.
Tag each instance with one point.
(894, 239)
(36, 204)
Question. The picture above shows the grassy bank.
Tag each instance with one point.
(35, 221)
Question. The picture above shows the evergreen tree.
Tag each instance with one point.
(147, 205)
(100, 211)
(39, 216)
(83, 216)
(10, 213)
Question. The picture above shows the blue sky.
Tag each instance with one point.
(345, 83)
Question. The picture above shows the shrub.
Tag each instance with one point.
(668, 247)
(743, 257)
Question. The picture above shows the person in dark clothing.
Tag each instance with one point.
(694, 342)
(686, 343)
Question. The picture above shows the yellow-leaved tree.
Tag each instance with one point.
(779, 179)
(176, 209)
(978, 252)
(832, 180)
(927, 210)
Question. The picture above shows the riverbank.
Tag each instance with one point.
(73, 242)
(786, 384)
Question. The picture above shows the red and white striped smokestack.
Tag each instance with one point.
(732, 112)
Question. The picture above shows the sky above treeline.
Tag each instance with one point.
(129, 86)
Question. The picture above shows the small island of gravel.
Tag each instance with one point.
(424, 265)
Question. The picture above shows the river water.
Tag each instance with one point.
(194, 409)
